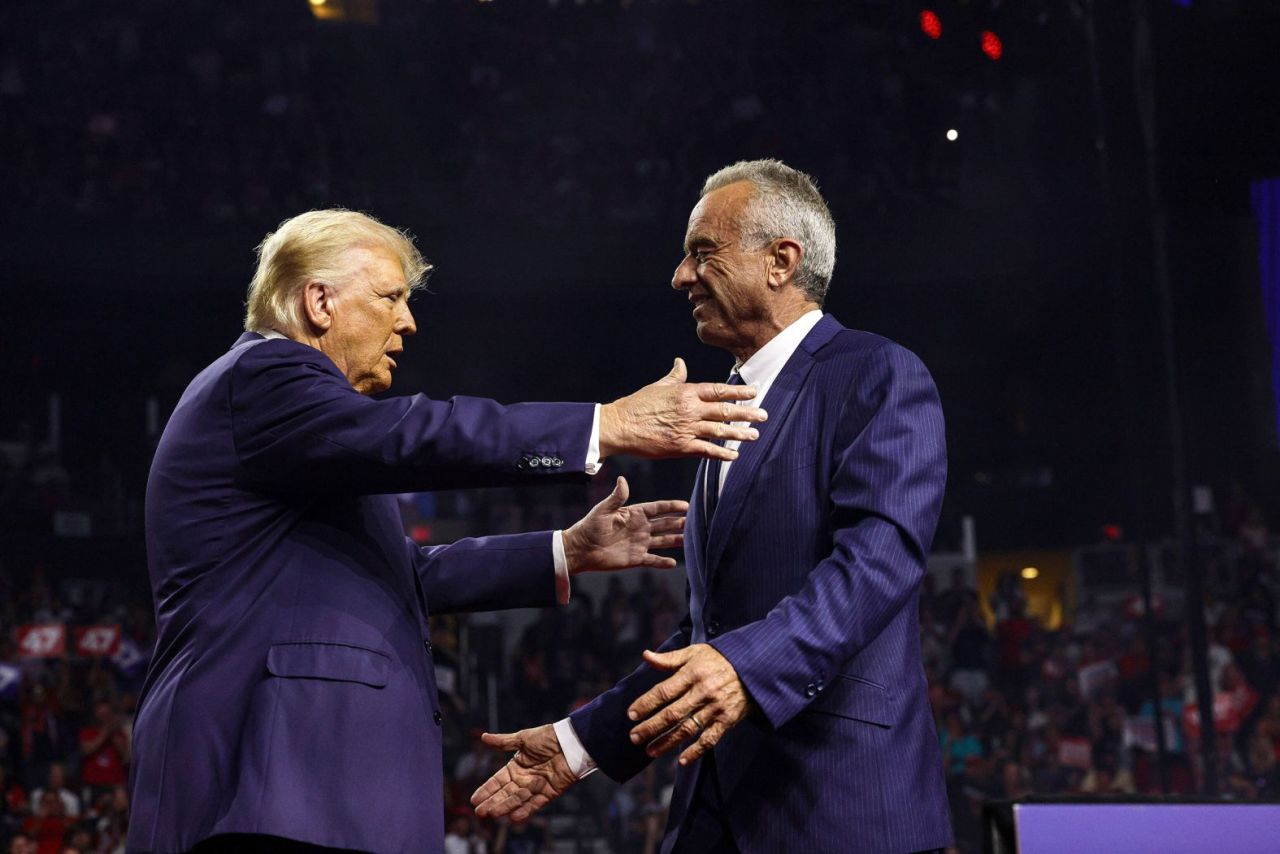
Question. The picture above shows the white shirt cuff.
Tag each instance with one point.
(562, 567)
(593, 447)
(580, 762)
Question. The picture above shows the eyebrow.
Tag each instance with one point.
(698, 241)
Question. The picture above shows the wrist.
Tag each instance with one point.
(609, 429)
(573, 557)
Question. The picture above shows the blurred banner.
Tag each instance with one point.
(42, 640)
(98, 641)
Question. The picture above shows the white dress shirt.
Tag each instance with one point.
(557, 537)
(760, 370)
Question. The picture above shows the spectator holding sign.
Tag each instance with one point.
(104, 748)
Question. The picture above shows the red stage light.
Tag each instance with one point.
(991, 45)
(931, 24)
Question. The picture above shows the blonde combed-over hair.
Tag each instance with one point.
(309, 247)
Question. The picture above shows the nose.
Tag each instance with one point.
(406, 325)
(685, 274)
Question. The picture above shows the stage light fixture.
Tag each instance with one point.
(1030, 573)
(992, 46)
(931, 24)
(953, 135)
(317, 2)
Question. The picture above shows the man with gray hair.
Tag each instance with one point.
(795, 681)
(291, 702)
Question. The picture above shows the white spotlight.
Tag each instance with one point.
(953, 135)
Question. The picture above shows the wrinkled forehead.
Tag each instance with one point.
(371, 264)
(718, 214)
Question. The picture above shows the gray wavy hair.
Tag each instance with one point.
(786, 204)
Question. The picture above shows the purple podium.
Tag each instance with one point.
(1132, 827)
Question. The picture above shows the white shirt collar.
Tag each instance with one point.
(766, 363)
(271, 333)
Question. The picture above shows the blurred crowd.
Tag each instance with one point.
(216, 112)
(1024, 710)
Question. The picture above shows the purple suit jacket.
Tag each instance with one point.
(292, 691)
(807, 583)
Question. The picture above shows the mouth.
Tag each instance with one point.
(391, 357)
(698, 302)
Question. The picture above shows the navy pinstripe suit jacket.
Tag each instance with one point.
(806, 581)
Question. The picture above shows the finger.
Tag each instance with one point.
(683, 731)
(710, 450)
(534, 804)
(673, 717)
(657, 562)
(666, 525)
(714, 392)
(666, 541)
(723, 432)
(679, 373)
(489, 787)
(666, 691)
(663, 508)
(724, 411)
(710, 738)
(668, 660)
(502, 802)
(616, 498)
(508, 741)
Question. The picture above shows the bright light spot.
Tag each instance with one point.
(991, 45)
(953, 135)
(931, 24)
(1030, 573)
(317, 2)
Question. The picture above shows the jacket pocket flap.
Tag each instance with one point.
(329, 661)
(858, 699)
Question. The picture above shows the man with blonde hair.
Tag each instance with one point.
(291, 702)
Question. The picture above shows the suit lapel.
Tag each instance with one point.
(737, 485)
(695, 527)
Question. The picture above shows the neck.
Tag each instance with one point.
(768, 328)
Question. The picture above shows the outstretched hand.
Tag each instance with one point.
(533, 778)
(702, 701)
(616, 536)
(675, 418)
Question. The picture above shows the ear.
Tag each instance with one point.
(317, 305)
(784, 262)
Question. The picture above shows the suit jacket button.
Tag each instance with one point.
(557, 462)
(534, 462)
(437, 717)
(810, 690)
(713, 628)
(546, 461)
(427, 643)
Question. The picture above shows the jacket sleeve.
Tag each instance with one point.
(602, 725)
(888, 477)
(487, 573)
(297, 424)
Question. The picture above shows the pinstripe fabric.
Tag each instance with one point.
(808, 587)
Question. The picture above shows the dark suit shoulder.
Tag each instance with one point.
(868, 354)
(257, 353)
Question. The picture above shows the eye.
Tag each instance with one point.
(700, 256)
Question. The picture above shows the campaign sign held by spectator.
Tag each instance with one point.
(42, 640)
(102, 641)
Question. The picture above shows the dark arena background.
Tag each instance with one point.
(1070, 209)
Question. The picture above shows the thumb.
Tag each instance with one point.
(508, 741)
(617, 498)
(668, 660)
(678, 373)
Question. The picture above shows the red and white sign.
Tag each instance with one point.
(1230, 708)
(98, 641)
(42, 640)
